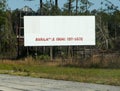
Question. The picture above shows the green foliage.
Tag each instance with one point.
(68, 7)
(107, 25)
(7, 37)
(2, 19)
(2, 13)
(85, 5)
(2, 5)
(55, 10)
(43, 57)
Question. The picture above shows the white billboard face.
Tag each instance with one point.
(59, 30)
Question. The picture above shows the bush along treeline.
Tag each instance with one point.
(107, 30)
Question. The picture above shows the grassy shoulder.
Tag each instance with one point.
(55, 71)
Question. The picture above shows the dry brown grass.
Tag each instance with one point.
(96, 61)
(56, 70)
(30, 61)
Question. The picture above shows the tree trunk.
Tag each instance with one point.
(69, 7)
(56, 3)
(51, 53)
(41, 6)
(76, 7)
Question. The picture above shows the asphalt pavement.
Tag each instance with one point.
(19, 83)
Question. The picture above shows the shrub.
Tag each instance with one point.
(43, 57)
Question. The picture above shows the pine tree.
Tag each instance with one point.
(68, 7)
(7, 37)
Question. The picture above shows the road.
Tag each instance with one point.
(18, 83)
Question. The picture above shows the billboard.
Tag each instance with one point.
(59, 30)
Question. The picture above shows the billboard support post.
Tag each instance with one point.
(51, 53)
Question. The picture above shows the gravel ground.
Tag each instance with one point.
(18, 83)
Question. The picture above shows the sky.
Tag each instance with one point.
(14, 4)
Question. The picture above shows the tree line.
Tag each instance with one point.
(107, 25)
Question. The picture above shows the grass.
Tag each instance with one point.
(53, 70)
